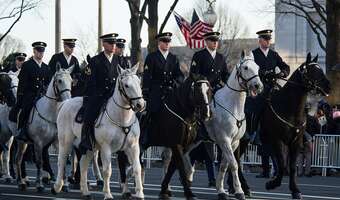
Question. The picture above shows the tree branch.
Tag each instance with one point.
(168, 16)
(10, 28)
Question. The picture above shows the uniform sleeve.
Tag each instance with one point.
(23, 80)
(52, 64)
(76, 73)
(282, 65)
(91, 82)
(178, 75)
(194, 67)
(224, 71)
(147, 76)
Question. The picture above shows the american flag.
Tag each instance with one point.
(193, 33)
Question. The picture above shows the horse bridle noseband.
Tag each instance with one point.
(57, 92)
(122, 91)
(238, 75)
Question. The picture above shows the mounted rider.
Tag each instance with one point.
(162, 74)
(34, 78)
(272, 67)
(211, 64)
(66, 59)
(102, 71)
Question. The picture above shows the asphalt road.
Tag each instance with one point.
(315, 188)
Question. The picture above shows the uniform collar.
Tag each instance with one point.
(164, 53)
(38, 63)
(109, 57)
(212, 52)
(264, 51)
(68, 58)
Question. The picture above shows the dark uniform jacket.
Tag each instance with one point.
(100, 85)
(59, 57)
(215, 69)
(269, 63)
(33, 82)
(160, 76)
(123, 62)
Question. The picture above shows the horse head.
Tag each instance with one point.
(313, 78)
(200, 96)
(247, 74)
(129, 86)
(61, 83)
(7, 92)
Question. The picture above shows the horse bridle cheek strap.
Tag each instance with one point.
(297, 128)
(130, 100)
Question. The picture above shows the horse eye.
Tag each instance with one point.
(126, 86)
(59, 81)
(246, 68)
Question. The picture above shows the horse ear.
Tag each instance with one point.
(57, 66)
(88, 58)
(309, 58)
(315, 60)
(119, 69)
(243, 54)
(70, 69)
(134, 69)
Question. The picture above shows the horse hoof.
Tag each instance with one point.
(22, 187)
(100, 183)
(53, 191)
(270, 185)
(247, 193)
(65, 188)
(40, 189)
(126, 195)
(222, 196)
(87, 197)
(164, 196)
(46, 181)
(8, 180)
(240, 196)
(296, 195)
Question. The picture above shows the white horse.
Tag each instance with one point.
(42, 128)
(7, 130)
(117, 129)
(227, 125)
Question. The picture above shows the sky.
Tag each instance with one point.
(79, 20)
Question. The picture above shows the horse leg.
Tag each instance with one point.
(190, 169)
(165, 189)
(178, 157)
(96, 169)
(46, 164)
(84, 164)
(122, 161)
(21, 148)
(228, 156)
(133, 156)
(105, 153)
(278, 153)
(64, 149)
(38, 161)
(293, 152)
(6, 159)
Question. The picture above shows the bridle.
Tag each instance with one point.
(57, 92)
(243, 83)
(122, 91)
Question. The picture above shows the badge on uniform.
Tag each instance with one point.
(193, 63)
(88, 71)
(146, 67)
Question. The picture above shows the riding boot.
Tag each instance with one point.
(145, 129)
(22, 136)
(86, 138)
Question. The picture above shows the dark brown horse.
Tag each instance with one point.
(284, 113)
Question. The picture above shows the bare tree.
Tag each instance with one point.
(13, 10)
(323, 17)
(86, 43)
